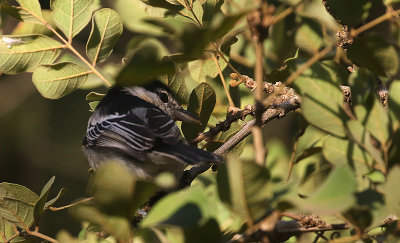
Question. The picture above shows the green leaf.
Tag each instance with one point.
(363, 138)
(145, 64)
(177, 85)
(392, 194)
(71, 16)
(309, 35)
(40, 204)
(375, 53)
(348, 12)
(57, 80)
(245, 188)
(335, 195)
(17, 204)
(94, 96)
(25, 28)
(24, 53)
(106, 30)
(394, 105)
(133, 14)
(117, 192)
(115, 225)
(163, 4)
(308, 142)
(201, 103)
(322, 99)
(378, 122)
(211, 8)
(185, 208)
(54, 200)
(30, 11)
(340, 151)
(204, 69)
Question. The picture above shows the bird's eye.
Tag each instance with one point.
(164, 97)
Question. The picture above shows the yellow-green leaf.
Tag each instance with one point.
(71, 16)
(24, 53)
(106, 30)
(58, 80)
(30, 11)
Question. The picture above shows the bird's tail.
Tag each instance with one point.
(190, 154)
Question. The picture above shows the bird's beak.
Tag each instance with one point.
(185, 116)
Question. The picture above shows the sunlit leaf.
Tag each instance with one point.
(184, 208)
(17, 204)
(164, 4)
(71, 16)
(375, 53)
(26, 28)
(335, 194)
(311, 139)
(309, 35)
(322, 100)
(201, 103)
(30, 11)
(106, 30)
(340, 151)
(378, 122)
(25, 53)
(394, 105)
(203, 69)
(57, 80)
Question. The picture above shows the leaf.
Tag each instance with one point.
(245, 188)
(30, 11)
(24, 53)
(117, 192)
(204, 69)
(40, 204)
(311, 139)
(309, 35)
(177, 85)
(201, 103)
(340, 151)
(211, 9)
(348, 13)
(94, 96)
(185, 208)
(322, 100)
(335, 195)
(163, 4)
(394, 105)
(17, 204)
(57, 80)
(106, 30)
(375, 53)
(390, 189)
(71, 16)
(115, 225)
(363, 138)
(54, 200)
(25, 28)
(378, 122)
(145, 64)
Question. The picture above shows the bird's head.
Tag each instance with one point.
(159, 95)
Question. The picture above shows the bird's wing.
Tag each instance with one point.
(131, 133)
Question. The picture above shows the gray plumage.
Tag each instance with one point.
(136, 126)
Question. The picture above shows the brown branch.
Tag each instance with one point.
(70, 205)
(373, 23)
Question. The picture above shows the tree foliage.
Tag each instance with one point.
(338, 60)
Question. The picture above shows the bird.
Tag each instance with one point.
(136, 126)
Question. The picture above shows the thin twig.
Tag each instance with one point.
(70, 205)
(42, 236)
(374, 22)
(317, 56)
(228, 95)
(258, 99)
